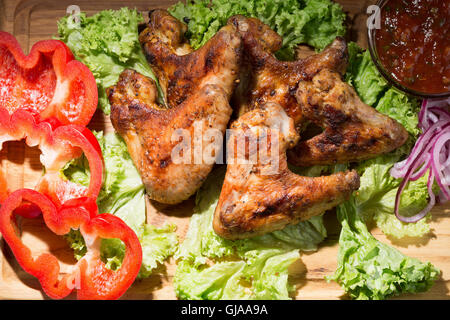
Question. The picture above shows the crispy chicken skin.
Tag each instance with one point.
(148, 129)
(180, 71)
(264, 78)
(311, 90)
(260, 197)
(197, 86)
(353, 131)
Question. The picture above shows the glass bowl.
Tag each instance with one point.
(386, 74)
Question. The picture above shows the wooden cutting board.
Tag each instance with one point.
(34, 20)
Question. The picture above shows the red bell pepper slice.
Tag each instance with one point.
(3, 188)
(48, 83)
(90, 276)
(58, 146)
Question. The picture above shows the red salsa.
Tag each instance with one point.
(413, 43)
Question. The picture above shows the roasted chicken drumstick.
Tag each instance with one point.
(197, 87)
(263, 196)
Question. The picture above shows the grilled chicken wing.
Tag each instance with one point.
(311, 89)
(353, 131)
(149, 133)
(264, 78)
(197, 86)
(182, 72)
(263, 195)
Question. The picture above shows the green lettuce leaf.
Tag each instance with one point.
(369, 269)
(157, 245)
(314, 22)
(210, 267)
(375, 198)
(107, 43)
(401, 108)
(364, 76)
(223, 280)
(122, 194)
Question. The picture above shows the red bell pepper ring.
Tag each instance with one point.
(48, 83)
(90, 276)
(58, 146)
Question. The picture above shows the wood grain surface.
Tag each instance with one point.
(34, 20)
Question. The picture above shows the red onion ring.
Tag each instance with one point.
(400, 168)
(431, 153)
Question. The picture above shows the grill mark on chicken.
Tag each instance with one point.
(353, 131)
(181, 71)
(267, 79)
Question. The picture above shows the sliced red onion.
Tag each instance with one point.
(431, 153)
(425, 162)
(422, 112)
(400, 168)
(436, 165)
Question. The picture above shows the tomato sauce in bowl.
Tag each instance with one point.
(413, 45)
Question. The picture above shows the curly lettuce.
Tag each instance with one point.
(210, 267)
(363, 75)
(314, 22)
(107, 43)
(122, 194)
(370, 269)
(375, 199)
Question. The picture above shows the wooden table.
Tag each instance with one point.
(33, 20)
